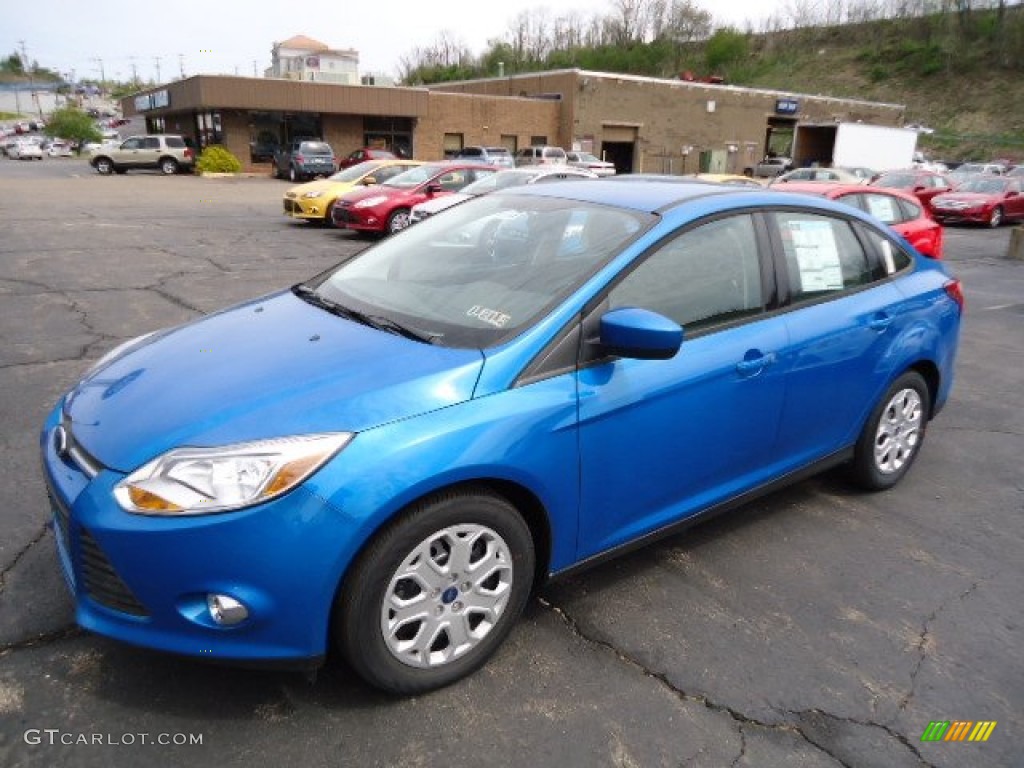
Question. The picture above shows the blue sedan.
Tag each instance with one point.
(389, 458)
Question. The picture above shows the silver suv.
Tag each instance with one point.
(164, 152)
(541, 156)
(498, 156)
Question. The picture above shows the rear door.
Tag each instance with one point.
(846, 314)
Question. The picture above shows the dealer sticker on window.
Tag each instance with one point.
(489, 316)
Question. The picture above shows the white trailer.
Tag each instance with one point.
(880, 147)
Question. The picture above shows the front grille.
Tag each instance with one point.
(61, 520)
(101, 581)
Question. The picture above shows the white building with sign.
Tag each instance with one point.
(303, 58)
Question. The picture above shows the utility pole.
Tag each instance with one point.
(254, 65)
(156, 60)
(135, 71)
(33, 96)
(181, 64)
(103, 75)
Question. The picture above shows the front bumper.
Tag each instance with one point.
(144, 580)
(359, 219)
(961, 216)
(298, 208)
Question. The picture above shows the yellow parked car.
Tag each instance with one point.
(313, 201)
(733, 179)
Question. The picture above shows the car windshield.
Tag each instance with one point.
(896, 180)
(484, 271)
(985, 186)
(355, 172)
(416, 176)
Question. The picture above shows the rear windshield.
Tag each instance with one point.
(315, 148)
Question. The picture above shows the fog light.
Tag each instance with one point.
(225, 610)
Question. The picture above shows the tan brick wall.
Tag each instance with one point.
(483, 121)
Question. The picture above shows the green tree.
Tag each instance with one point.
(73, 124)
(12, 64)
(726, 46)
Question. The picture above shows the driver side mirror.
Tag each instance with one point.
(369, 181)
(433, 189)
(639, 334)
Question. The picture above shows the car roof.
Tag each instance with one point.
(837, 189)
(652, 195)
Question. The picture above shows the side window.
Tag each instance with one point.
(823, 256)
(884, 208)
(894, 259)
(132, 144)
(704, 277)
(151, 142)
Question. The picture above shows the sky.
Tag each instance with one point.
(235, 37)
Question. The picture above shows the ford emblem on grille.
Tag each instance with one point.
(60, 442)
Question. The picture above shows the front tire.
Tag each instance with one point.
(103, 166)
(436, 592)
(398, 220)
(892, 437)
(996, 217)
(293, 175)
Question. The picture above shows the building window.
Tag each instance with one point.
(538, 141)
(452, 144)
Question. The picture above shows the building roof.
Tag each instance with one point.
(303, 43)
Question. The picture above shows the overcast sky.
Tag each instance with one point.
(236, 37)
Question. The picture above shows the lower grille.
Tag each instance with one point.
(101, 581)
(341, 215)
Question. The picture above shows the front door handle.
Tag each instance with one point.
(880, 322)
(751, 366)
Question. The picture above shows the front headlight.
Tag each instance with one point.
(369, 202)
(198, 481)
(311, 195)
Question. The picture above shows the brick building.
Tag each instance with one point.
(639, 123)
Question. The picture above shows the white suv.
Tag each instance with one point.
(541, 156)
(165, 152)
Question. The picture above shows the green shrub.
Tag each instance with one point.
(217, 159)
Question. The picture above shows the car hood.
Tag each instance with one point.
(440, 203)
(273, 367)
(383, 190)
(321, 187)
(965, 197)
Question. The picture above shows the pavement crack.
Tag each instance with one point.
(738, 717)
(923, 640)
(894, 734)
(21, 554)
(47, 638)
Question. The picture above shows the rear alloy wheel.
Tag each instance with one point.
(436, 592)
(168, 166)
(398, 220)
(892, 437)
(293, 176)
(996, 217)
(104, 166)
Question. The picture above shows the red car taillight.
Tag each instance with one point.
(189, 154)
(299, 159)
(955, 291)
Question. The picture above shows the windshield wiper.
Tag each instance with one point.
(393, 326)
(378, 322)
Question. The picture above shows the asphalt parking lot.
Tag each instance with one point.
(817, 627)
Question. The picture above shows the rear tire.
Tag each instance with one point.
(892, 437)
(435, 593)
(168, 166)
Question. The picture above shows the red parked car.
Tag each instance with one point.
(924, 185)
(384, 208)
(900, 210)
(362, 155)
(986, 199)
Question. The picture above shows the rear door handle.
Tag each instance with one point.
(880, 322)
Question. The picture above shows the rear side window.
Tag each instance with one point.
(823, 256)
(471, 152)
(175, 141)
(893, 258)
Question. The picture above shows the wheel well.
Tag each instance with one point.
(930, 373)
(169, 157)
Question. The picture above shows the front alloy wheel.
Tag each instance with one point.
(436, 592)
(104, 166)
(398, 220)
(996, 217)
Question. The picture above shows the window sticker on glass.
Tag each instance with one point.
(817, 255)
(489, 316)
(882, 208)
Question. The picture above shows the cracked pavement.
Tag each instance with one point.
(816, 627)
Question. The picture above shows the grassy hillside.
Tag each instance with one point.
(973, 96)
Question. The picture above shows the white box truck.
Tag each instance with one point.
(880, 147)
